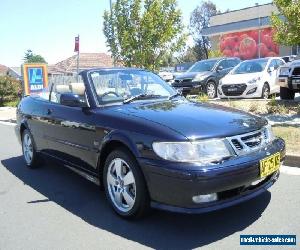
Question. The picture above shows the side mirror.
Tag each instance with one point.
(219, 68)
(270, 69)
(71, 100)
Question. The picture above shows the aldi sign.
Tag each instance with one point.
(35, 78)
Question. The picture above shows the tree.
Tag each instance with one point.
(33, 58)
(141, 33)
(287, 28)
(199, 20)
(215, 53)
(189, 55)
(9, 89)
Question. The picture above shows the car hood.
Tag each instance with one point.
(195, 120)
(190, 75)
(240, 78)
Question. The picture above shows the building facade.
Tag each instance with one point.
(246, 33)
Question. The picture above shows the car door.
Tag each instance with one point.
(279, 63)
(71, 133)
(35, 119)
(225, 68)
(271, 72)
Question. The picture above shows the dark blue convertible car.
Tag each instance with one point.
(133, 134)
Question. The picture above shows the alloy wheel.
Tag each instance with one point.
(211, 90)
(27, 148)
(266, 92)
(121, 185)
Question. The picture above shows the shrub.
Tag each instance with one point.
(253, 107)
(202, 98)
(9, 89)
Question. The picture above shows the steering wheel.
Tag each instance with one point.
(110, 92)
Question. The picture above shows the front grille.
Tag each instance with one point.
(183, 82)
(253, 140)
(234, 89)
(237, 144)
(249, 142)
(296, 71)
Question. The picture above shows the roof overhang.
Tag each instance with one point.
(252, 24)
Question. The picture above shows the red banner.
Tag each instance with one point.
(248, 45)
(76, 49)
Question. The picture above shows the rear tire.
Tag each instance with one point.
(265, 93)
(286, 94)
(125, 186)
(31, 157)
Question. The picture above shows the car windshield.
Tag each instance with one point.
(251, 66)
(126, 85)
(206, 65)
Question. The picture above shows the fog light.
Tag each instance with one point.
(251, 91)
(205, 198)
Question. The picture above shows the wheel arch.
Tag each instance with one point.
(110, 143)
(23, 126)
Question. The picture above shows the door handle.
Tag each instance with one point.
(49, 111)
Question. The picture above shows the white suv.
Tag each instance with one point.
(251, 79)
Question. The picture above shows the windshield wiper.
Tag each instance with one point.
(140, 97)
(174, 96)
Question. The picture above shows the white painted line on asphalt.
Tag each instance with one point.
(7, 123)
(290, 170)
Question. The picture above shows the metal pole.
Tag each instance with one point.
(78, 60)
(259, 32)
(110, 4)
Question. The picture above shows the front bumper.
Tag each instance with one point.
(291, 82)
(242, 90)
(189, 88)
(172, 185)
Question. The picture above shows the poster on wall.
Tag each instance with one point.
(35, 77)
(246, 44)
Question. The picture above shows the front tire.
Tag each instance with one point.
(286, 94)
(30, 154)
(211, 90)
(124, 185)
(265, 91)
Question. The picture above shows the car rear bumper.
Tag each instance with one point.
(172, 186)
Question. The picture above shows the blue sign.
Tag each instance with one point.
(36, 79)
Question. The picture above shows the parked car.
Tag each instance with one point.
(288, 79)
(129, 131)
(290, 58)
(204, 76)
(182, 68)
(166, 76)
(251, 79)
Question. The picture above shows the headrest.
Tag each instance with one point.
(77, 88)
(62, 89)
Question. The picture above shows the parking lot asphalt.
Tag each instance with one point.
(53, 208)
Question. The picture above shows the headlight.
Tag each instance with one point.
(199, 78)
(284, 71)
(204, 152)
(254, 80)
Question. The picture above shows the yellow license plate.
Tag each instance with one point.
(269, 165)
